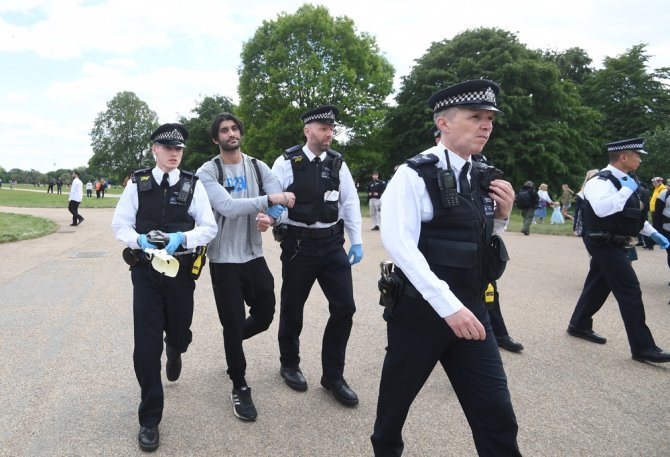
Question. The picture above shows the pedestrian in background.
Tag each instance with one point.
(76, 195)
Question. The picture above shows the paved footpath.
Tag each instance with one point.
(67, 386)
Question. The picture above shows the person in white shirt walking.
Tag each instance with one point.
(76, 194)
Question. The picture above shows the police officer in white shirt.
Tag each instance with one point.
(612, 216)
(437, 221)
(174, 202)
(326, 204)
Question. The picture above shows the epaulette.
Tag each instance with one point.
(421, 160)
(604, 174)
(140, 172)
(334, 154)
(290, 152)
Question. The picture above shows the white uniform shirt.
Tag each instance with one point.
(123, 222)
(349, 204)
(606, 200)
(405, 205)
(76, 191)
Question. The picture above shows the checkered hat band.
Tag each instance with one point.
(626, 146)
(314, 117)
(173, 135)
(480, 96)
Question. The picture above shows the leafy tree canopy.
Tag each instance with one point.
(121, 135)
(545, 134)
(303, 60)
(199, 146)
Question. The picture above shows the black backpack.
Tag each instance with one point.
(524, 199)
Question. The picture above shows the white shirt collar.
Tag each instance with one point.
(173, 175)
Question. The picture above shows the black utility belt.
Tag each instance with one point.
(315, 233)
(604, 237)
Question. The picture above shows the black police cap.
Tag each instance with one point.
(633, 144)
(476, 93)
(170, 134)
(326, 114)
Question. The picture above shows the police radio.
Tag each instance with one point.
(446, 181)
(185, 190)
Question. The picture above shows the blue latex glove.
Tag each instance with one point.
(659, 239)
(629, 182)
(176, 240)
(355, 253)
(275, 211)
(144, 243)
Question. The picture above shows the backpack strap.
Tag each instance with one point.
(259, 179)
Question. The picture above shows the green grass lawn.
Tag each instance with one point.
(17, 227)
(22, 196)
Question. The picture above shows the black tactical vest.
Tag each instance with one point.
(627, 222)
(310, 182)
(159, 208)
(454, 240)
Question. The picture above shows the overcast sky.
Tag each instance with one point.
(61, 61)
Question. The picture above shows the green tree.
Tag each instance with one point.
(573, 64)
(657, 162)
(120, 137)
(304, 60)
(632, 99)
(546, 132)
(199, 146)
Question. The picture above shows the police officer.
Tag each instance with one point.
(241, 190)
(375, 190)
(174, 202)
(438, 215)
(612, 215)
(313, 250)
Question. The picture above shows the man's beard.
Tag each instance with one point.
(229, 147)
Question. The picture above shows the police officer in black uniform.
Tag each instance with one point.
(326, 205)
(174, 202)
(612, 217)
(438, 217)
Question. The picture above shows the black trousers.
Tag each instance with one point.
(160, 304)
(73, 208)
(611, 271)
(234, 284)
(418, 338)
(304, 261)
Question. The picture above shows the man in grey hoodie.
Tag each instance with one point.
(246, 198)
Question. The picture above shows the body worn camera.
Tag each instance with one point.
(486, 174)
(185, 191)
(446, 182)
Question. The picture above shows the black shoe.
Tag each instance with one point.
(73, 225)
(341, 391)
(589, 335)
(507, 342)
(81, 219)
(148, 438)
(293, 378)
(376, 227)
(243, 405)
(654, 355)
(639, 243)
(173, 365)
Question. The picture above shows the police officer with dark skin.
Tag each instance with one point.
(612, 216)
(326, 204)
(174, 202)
(438, 247)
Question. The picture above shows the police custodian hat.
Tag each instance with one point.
(633, 144)
(326, 114)
(171, 135)
(476, 93)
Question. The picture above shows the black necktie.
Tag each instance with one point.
(463, 182)
(165, 183)
(317, 159)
